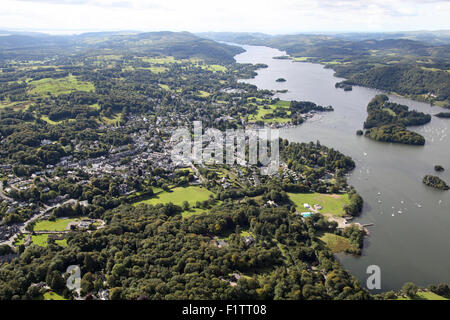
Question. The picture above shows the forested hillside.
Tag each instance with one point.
(179, 44)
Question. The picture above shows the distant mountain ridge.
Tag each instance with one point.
(431, 37)
(393, 62)
(178, 44)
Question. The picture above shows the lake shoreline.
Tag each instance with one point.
(411, 219)
(407, 96)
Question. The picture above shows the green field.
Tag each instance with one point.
(214, 67)
(203, 94)
(57, 225)
(282, 104)
(424, 295)
(332, 62)
(16, 105)
(332, 204)
(434, 69)
(167, 60)
(256, 99)
(112, 119)
(41, 240)
(193, 212)
(178, 195)
(110, 57)
(157, 69)
(158, 64)
(301, 58)
(19, 240)
(336, 243)
(47, 119)
(95, 106)
(246, 233)
(269, 109)
(60, 86)
(50, 295)
(62, 243)
(160, 60)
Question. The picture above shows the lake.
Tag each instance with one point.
(411, 233)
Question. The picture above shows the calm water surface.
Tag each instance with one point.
(411, 234)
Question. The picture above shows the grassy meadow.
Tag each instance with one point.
(263, 110)
(336, 243)
(59, 86)
(57, 225)
(178, 195)
(331, 203)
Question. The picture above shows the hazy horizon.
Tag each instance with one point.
(81, 31)
(281, 17)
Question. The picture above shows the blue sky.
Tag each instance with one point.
(275, 16)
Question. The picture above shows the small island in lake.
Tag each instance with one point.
(435, 182)
(438, 168)
(282, 58)
(395, 134)
(343, 85)
(442, 115)
(387, 121)
(281, 80)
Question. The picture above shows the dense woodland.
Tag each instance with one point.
(152, 252)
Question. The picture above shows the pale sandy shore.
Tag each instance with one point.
(343, 222)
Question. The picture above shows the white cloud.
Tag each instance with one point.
(280, 16)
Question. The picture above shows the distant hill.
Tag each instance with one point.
(325, 45)
(178, 44)
(430, 37)
(236, 37)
